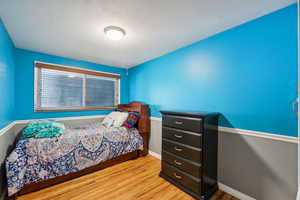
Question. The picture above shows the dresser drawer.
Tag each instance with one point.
(183, 164)
(185, 137)
(181, 177)
(185, 151)
(184, 123)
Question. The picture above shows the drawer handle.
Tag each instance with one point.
(177, 162)
(178, 136)
(177, 176)
(178, 149)
(178, 122)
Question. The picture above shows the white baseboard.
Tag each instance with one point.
(156, 155)
(233, 192)
(298, 194)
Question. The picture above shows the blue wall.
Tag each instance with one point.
(25, 83)
(248, 73)
(6, 77)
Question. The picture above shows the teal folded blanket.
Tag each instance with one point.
(43, 129)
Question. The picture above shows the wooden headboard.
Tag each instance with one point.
(143, 125)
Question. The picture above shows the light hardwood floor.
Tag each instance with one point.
(132, 180)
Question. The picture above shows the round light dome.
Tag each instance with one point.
(114, 32)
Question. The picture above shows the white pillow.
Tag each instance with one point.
(108, 121)
(115, 119)
(121, 118)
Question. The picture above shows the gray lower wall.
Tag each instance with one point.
(264, 169)
(155, 137)
(7, 140)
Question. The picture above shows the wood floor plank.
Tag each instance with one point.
(218, 195)
(132, 180)
(226, 197)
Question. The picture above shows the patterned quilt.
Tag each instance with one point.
(79, 147)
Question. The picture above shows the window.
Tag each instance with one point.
(65, 88)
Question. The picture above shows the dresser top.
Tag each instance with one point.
(189, 113)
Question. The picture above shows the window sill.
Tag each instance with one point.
(74, 109)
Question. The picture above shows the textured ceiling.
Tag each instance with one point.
(74, 29)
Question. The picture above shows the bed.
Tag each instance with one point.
(38, 163)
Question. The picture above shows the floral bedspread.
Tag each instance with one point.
(79, 147)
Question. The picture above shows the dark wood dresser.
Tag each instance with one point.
(190, 151)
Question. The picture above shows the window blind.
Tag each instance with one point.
(100, 91)
(60, 90)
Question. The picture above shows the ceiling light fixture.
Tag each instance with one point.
(114, 32)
